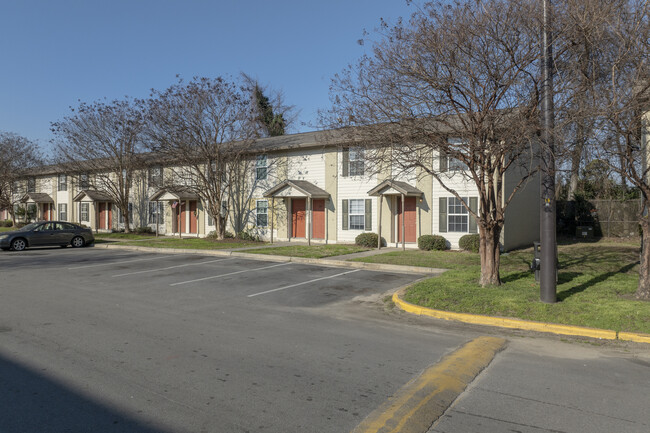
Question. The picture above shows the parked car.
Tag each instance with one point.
(47, 233)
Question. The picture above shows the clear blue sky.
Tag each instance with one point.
(54, 53)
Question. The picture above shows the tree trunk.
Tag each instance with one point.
(643, 289)
(490, 256)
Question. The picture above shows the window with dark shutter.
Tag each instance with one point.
(344, 211)
(442, 214)
(368, 214)
(345, 165)
(473, 205)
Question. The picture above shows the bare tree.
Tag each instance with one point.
(205, 127)
(622, 109)
(17, 154)
(457, 80)
(103, 143)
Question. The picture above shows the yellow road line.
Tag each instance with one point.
(422, 401)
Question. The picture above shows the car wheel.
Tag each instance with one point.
(18, 244)
(77, 241)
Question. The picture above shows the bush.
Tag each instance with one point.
(145, 230)
(470, 243)
(432, 242)
(212, 235)
(368, 240)
(229, 235)
(248, 236)
(8, 223)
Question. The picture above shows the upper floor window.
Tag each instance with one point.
(63, 182)
(261, 167)
(31, 184)
(84, 181)
(456, 164)
(155, 176)
(356, 161)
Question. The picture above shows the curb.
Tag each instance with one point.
(275, 258)
(527, 325)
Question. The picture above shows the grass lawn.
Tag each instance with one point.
(6, 229)
(124, 236)
(190, 243)
(312, 252)
(596, 285)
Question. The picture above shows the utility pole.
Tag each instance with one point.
(548, 265)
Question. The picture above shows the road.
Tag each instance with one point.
(119, 341)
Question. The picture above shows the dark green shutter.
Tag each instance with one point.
(443, 161)
(442, 215)
(473, 205)
(368, 214)
(344, 208)
(346, 162)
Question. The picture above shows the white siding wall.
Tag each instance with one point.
(309, 165)
(351, 188)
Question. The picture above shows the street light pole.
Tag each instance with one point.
(548, 271)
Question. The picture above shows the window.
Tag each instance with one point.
(155, 176)
(156, 212)
(356, 161)
(357, 214)
(63, 182)
(84, 181)
(261, 167)
(454, 164)
(224, 212)
(31, 184)
(457, 215)
(83, 212)
(63, 211)
(262, 213)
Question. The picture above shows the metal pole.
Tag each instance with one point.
(548, 271)
(272, 215)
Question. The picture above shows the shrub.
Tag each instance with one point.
(368, 240)
(8, 223)
(248, 236)
(229, 235)
(432, 242)
(470, 243)
(212, 235)
(145, 230)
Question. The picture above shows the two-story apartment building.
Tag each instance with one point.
(302, 187)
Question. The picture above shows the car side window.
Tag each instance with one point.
(66, 226)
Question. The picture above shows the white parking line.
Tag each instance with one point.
(171, 267)
(117, 263)
(229, 273)
(300, 284)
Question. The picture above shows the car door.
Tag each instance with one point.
(42, 235)
(66, 232)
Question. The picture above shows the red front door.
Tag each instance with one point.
(105, 216)
(298, 217)
(319, 219)
(410, 228)
(193, 222)
(182, 208)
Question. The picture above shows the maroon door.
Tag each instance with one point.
(410, 228)
(298, 218)
(319, 219)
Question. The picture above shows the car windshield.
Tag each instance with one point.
(28, 227)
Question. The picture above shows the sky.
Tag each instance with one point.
(54, 54)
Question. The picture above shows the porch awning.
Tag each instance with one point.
(36, 197)
(395, 187)
(174, 194)
(90, 195)
(296, 188)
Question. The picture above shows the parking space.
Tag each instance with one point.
(251, 280)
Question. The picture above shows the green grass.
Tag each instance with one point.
(312, 252)
(124, 236)
(596, 286)
(190, 243)
(6, 229)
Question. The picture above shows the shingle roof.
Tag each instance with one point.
(307, 188)
(399, 186)
(94, 195)
(37, 197)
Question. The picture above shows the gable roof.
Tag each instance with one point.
(37, 197)
(92, 195)
(306, 188)
(398, 186)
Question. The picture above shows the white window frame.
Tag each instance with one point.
(156, 210)
(84, 181)
(63, 211)
(31, 184)
(457, 212)
(84, 212)
(356, 161)
(155, 176)
(62, 183)
(356, 213)
(261, 167)
(262, 211)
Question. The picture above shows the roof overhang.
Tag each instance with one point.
(395, 187)
(296, 188)
(174, 194)
(37, 197)
(89, 195)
